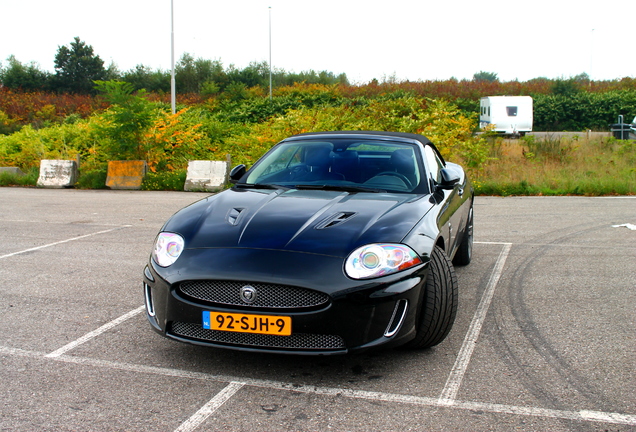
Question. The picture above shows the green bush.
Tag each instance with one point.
(440, 121)
(126, 121)
(582, 110)
(246, 127)
(93, 179)
(167, 180)
(30, 178)
(27, 147)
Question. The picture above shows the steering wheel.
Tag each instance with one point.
(297, 171)
(402, 177)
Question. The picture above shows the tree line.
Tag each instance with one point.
(29, 95)
(77, 67)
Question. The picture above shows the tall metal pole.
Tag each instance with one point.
(591, 55)
(173, 85)
(270, 53)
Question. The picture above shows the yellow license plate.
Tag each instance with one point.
(248, 323)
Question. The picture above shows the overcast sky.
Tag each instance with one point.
(402, 39)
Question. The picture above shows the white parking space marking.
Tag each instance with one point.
(582, 415)
(493, 243)
(96, 332)
(447, 399)
(39, 222)
(607, 417)
(456, 376)
(63, 241)
(208, 409)
(626, 225)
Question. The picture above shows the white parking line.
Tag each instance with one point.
(447, 398)
(454, 381)
(208, 409)
(78, 223)
(582, 415)
(96, 332)
(63, 241)
(492, 243)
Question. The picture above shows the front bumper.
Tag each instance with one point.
(356, 315)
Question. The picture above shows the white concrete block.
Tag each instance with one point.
(57, 173)
(206, 175)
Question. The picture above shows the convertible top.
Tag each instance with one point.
(411, 136)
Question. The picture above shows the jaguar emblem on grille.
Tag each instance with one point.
(248, 294)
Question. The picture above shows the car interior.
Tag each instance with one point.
(381, 166)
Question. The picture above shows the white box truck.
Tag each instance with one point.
(510, 115)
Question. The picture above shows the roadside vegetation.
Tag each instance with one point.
(559, 166)
(104, 114)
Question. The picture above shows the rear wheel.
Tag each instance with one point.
(465, 251)
(439, 306)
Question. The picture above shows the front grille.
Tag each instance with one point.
(268, 295)
(300, 341)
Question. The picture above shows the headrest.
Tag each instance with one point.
(402, 159)
(318, 156)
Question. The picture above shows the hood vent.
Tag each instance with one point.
(233, 216)
(336, 219)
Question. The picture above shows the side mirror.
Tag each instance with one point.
(449, 178)
(237, 172)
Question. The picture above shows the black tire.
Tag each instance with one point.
(439, 305)
(464, 253)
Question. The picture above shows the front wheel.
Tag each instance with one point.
(439, 306)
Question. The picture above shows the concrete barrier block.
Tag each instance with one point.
(125, 174)
(206, 175)
(57, 173)
(12, 170)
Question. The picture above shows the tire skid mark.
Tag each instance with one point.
(531, 332)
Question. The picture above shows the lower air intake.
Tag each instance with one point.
(300, 341)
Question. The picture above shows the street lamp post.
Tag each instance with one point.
(591, 55)
(270, 53)
(173, 86)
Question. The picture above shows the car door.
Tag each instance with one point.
(449, 219)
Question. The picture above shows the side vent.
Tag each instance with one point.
(233, 215)
(398, 317)
(336, 219)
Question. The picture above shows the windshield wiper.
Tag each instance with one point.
(344, 188)
(260, 186)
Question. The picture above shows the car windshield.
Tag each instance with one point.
(340, 164)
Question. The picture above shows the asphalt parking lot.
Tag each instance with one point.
(545, 337)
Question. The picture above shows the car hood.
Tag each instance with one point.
(311, 221)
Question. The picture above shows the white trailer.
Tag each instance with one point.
(510, 115)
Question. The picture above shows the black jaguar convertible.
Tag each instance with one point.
(333, 242)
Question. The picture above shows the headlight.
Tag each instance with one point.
(168, 247)
(376, 260)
